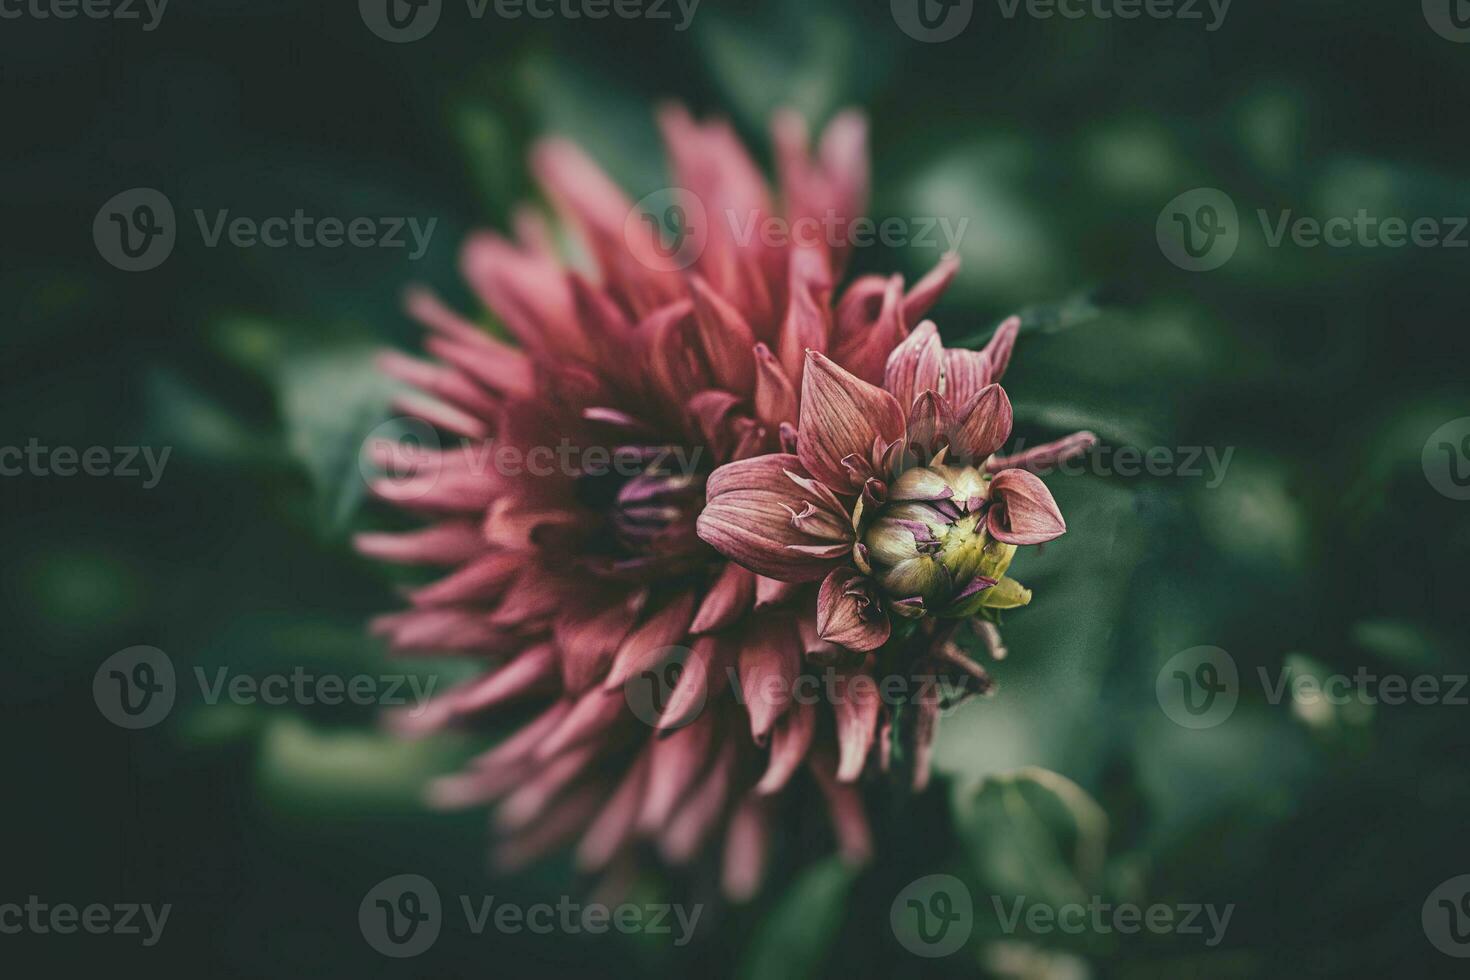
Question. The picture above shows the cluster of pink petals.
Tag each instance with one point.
(572, 583)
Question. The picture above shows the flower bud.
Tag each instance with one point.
(930, 550)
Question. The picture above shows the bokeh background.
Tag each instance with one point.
(1324, 548)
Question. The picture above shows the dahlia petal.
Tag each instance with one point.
(775, 398)
(696, 818)
(497, 366)
(435, 379)
(998, 351)
(569, 818)
(522, 745)
(442, 415)
(648, 645)
(856, 712)
(701, 676)
(482, 580)
(530, 295)
(614, 825)
(866, 350)
(845, 806)
(913, 367)
(746, 518)
(449, 543)
(847, 612)
(726, 338)
(532, 798)
(932, 425)
(817, 650)
(747, 845)
(532, 595)
(772, 592)
(922, 724)
(1045, 456)
(769, 661)
(1022, 509)
(926, 292)
(984, 425)
(442, 631)
(589, 636)
(842, 415)
(965, 373)
(678, 759)
(592, 714)
(727, 600)
(806, 326)
(424, 306)
(583, 193)
(532, 672)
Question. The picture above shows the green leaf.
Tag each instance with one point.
(794, 936)
(330, 401)
(1035, 833)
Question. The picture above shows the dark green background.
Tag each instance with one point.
(1325, 369)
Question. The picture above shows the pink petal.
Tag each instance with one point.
(1046, 456)
(1022, 510)
(747, 845)
(926, 292)
(848, 613)
(727, 600)
(984, 425)
(856, 709)
(770, 660)
(913, 367)
(998, 351)
(865, 350)
(790, 740)
(648, 644)
(842, 416)
(614, 825)
(726, 338)
(775, 398)
(748, 518)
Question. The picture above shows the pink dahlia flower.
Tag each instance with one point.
(684, 468)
